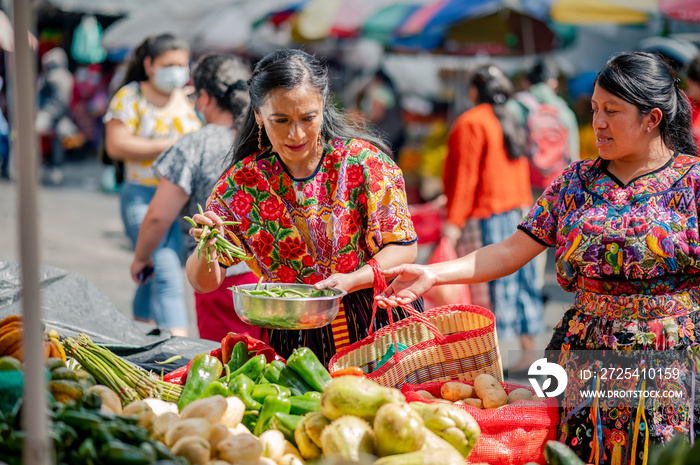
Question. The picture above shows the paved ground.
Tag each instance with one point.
(81, 231)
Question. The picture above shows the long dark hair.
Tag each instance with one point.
(647, 82)
(494, 87)
(224, 78)
(291, 69)
(152, 47)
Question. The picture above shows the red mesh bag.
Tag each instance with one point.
(510, 435)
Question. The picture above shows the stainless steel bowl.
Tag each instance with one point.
(288, 312)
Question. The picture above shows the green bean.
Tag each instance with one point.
(172, 359)
(277, 292)
(191, 221)
(257, 286)
(230, 223)
(201, 212)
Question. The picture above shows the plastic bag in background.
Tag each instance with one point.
(447, 294)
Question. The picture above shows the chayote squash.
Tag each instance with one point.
(398, 429)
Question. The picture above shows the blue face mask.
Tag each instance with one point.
(169, 78)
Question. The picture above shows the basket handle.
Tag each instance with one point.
(379, 286)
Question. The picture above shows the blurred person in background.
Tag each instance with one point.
(55, 93)
(551, 125)
(188, 171)
(380, 103)
(319, 201)
(146, 117)
(692, 85)
(487, 184)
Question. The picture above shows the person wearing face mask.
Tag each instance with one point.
(319, 201)
(145, 117)
(188, 171)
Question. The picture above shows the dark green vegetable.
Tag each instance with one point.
(313, 395)
(216, 388)
(261, 391)
(242, 387)
(87, 451)
(85, 421)
(119, 453)
(279, 373)
(307, 365)
(239, 356)
(302, 405)
(272, 405)
(205, 369)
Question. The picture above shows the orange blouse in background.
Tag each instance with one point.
(480, 180)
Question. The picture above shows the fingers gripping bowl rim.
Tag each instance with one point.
(286, 312)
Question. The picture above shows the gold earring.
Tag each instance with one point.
(259, 136)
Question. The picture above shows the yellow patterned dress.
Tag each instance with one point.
(304, 230)
(142, 119)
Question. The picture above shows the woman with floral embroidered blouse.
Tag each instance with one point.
(316, 198)
(625, 226)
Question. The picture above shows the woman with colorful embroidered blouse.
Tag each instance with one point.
(316, 199)
(625, 226)
(145, 117)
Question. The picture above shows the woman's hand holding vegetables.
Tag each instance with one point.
(412, 281)
(342, 281)
(208, 220)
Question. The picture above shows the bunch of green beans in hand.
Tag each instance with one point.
(222, 245)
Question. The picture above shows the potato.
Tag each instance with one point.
(478, 403)
(490, 390)
(519, 394)
(456, 391)
(425, 395)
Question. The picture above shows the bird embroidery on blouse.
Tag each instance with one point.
(573, 240)
(659, 241)
(613, 257)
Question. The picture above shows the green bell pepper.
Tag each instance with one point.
(272, 405)
(252, 368)
(261, 391)
(313, 395)
(215, 388)
(308, 366)
(279, 373)
(302, 405)
(285, 424)
(239, 355)
(242, 387)
(205, 369)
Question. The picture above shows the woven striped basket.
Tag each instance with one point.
(453, 342)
